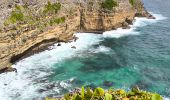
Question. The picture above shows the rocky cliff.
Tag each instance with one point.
(28, 26)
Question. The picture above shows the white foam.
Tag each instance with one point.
(120, 32)
(102, 49)
(166, 98)
(139, 22)
(23, 86)
(158, 16)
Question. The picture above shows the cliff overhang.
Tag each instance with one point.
(57, 23)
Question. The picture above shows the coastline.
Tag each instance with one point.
(45, 44)
(40, 47)
(84, 21)
(53, 66)
(28, 73)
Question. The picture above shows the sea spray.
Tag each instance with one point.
(138, 22)
(33, 72)
(34, 69)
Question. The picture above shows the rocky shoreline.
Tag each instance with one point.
(21, 40)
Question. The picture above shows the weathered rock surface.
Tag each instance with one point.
(15, 44)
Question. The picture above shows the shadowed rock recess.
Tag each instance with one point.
(29, 26)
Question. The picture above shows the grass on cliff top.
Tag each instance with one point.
(29, 15)
(132, 2)
(52, 8)
(109, 4)
(101, 94)
(37, 18)
(16, 16)
(57, 21)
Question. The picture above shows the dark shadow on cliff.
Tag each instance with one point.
(39, 47)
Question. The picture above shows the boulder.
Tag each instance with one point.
(125, 25)
(74, 47)
(58, 44)
(108, 83)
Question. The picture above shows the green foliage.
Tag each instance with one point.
(101, 94)
(108, 96)
(33, 18)
(109, 4)
(18, 7)
(52, 8)
(89, 93)
(156, 97)
(16, 16)
(132, 2)
(82, 92)
(25, 15)
(6, 22)
(57, 20)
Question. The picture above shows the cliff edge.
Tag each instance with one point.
(27, 26)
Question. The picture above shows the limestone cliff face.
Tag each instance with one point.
(14, 46)
(100, 21)
(16, 43)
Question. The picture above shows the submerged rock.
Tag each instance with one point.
(41, 90)
(76, 81)
(125, 25)
(108, 83)
(75, 39)
(8, 69)
(74, 47)
(92, 86)
(5, 84)
(142, 84)
(58, 44)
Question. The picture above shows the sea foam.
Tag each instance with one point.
(33, 71)
(139, 22)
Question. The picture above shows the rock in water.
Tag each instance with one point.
(8, 69)
(108, 83)
(58, 44)
(73, 47)
(75, 39)
(92, 86)
(125, 25)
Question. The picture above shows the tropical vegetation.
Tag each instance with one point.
(111, 94)
(109, 4)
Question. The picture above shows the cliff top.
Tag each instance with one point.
(7, 6)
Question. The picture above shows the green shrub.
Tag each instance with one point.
(18, 7)
(57, 21)
(52, 8)
(101, 94)
(132, 2)
(16, 16)
(6, 22)
(109, 4)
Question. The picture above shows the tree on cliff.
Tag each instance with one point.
(109, 4)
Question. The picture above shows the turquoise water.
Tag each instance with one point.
(117, 59)
(142, 60)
